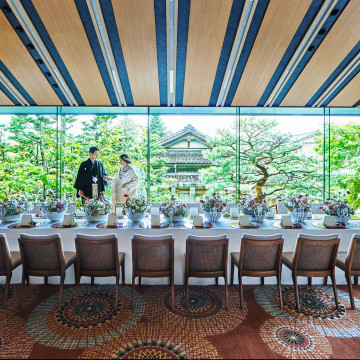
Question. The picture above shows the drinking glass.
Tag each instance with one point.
(213, 215)
(2, 213)
(43, 213)
(171, 214)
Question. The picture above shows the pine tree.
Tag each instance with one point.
(157, 126)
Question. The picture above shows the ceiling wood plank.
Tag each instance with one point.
(349, 95)
(4, 100)
(279, 25)
(341, 39)
(65, 28)
(17, 59)
(135, 21)
(207, 26)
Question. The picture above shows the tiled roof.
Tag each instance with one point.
(188, 129)
(186, 157)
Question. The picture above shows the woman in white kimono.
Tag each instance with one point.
(124, 183)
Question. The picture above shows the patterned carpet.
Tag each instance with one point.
(206, 330)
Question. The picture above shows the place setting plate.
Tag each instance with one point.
(61, 226)
(205, 225)
(147, 225)
(236, 225)
(319, 224)
(119, 225)
(280, 226)
(19, 226)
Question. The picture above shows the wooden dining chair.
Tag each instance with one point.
(8, 262)
(42, 255)
(259, 256)
(206, 257)
(314, 256)
(98, 256)
(350, 263)
(153, 256)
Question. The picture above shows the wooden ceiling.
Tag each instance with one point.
(180, 53)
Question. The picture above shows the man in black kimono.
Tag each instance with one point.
(91, 176)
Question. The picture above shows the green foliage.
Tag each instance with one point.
(157, 126)
(270, 161)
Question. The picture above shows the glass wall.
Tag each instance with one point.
(188, 152)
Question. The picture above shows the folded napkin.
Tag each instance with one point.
(194, 211)
(112, 219)
(198, 221)
(26, 220)
(286, 221)
(329, 221)
(155, 220)
(244, 220)
(270, 214)
(154, 210)
(68, 219)
(234, 212)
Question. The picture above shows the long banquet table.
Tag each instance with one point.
(180, 233)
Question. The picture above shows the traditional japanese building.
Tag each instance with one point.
(185, 153)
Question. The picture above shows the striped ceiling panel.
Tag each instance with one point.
(180, 53)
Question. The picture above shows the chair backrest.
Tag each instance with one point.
(261, 253)
(5, 259)
(152, 253)
(97, 253)
(41, 252)
(206, 253)
(316, 252)
(353, 257)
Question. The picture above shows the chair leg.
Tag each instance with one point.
(296, 293)
(217, 281)
(21, 290)
(117, 291)
(309, 281)
(262, 281)
(28, 279)
(123, 273)
(232, 273)
(325, 280)
(348, 280)
(172, 291)
(356, 280)
(241, 292)
(77, 290)
(62, 278)
(187, 291)
(226, 293)
(92, 281)
(335, 290)
(45, 280)
(132, 292)
(8, 278)
(280, 291)
(139, 280)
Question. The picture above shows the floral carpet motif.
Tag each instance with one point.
(95, 328)
(206, 314)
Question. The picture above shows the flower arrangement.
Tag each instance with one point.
(96, 207)
(338, 205)
(180, 209)
(297, 202)
(136, 205)
(214, 202)
(53, 204)
(14, 206)
(248, 206)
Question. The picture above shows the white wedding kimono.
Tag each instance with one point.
(125, 176)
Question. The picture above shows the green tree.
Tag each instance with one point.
(157, 126)
(270, 161)
(344, 158)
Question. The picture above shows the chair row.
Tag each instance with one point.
(206, 257)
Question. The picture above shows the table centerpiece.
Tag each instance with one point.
(213, 207)
(255, 209)
(298, 207)
(174, 211)
(96, 209)
(135, 207)
(13, 208)
(338, 206)
(53, 207)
